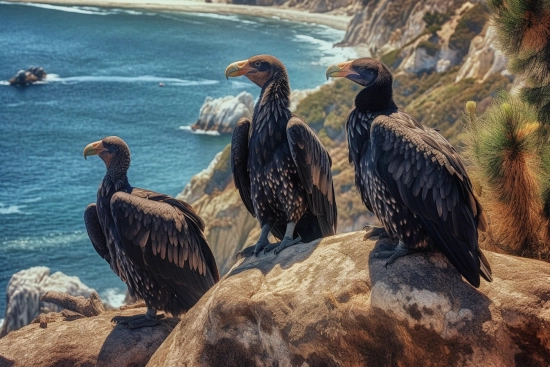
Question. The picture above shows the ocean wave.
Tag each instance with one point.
(39, 242)
(11, 209)
(113, 296)
(32, 200)
(69, 9)
(199, 131)
(331, 54)
(127, 79)
(230, 17)
(1, 322)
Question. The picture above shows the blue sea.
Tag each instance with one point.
(104, 68)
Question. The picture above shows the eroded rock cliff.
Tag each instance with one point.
(334, 303)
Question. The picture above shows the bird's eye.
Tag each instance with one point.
(257, 63)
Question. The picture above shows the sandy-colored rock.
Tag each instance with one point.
(25, 289)
(483, 59)
(222, 114)
(92, 341)
(334, 304)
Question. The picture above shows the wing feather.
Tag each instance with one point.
(95, 232)
(441, 195)
(313, 163)
(162, 232)
(239, 162)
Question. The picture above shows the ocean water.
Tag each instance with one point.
(105, 66)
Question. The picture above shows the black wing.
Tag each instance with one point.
(425, 174)
(358, 130)
(314, 163)
(164, 236)
(95, 232)
(239, 162)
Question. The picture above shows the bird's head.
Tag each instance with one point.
(258, 69)
(364, 71)
(112, 150)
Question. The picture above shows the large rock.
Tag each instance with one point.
(222, 114)
(92, 341)
(25, 289)
(334, 304)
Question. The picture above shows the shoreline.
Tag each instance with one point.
(339, 22)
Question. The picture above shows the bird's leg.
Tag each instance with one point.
(149, 318)
(287, 240)
(398, 251)
(262, 243)
(375, 231)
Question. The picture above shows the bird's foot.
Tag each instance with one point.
(253, 250)
(138, 321)
(280, 246)
(398, 251)
(375, 231)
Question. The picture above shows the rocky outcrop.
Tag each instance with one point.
(92, 341)
(30, 76)
(27, 287)
(483, 59)
(334, 303)
(222, 114)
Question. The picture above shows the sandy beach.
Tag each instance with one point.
(333, 21)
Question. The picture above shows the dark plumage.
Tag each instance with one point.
(410, 176)
(281, 169)
(153, 242)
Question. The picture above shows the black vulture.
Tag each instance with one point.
(410, 176)
(280, 167)
(153, 242)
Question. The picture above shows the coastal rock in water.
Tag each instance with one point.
(29, 76)
(333, 303)
(91, 341)
(222, 114)
(25, 289)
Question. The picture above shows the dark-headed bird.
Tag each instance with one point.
(153, 242)
(280, 167)
(410, 176)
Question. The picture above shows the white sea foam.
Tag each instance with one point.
(199, 131)
(1, 322)
(230, 17)
(331, 54)
(11, 209)
(127, 79)
(32, 200)
(113, 296)
(39, 242)
(69, 9)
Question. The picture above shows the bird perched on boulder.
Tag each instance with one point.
(410, 176)
(153, 242)
(280, 167)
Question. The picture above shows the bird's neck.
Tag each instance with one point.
(376, 98)
(116, 178)
(273, 105)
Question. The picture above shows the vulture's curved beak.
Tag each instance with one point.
(238, 68)
(94, 148)
(340, 70)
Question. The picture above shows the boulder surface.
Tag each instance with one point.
(92, 341)
(333, 303)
